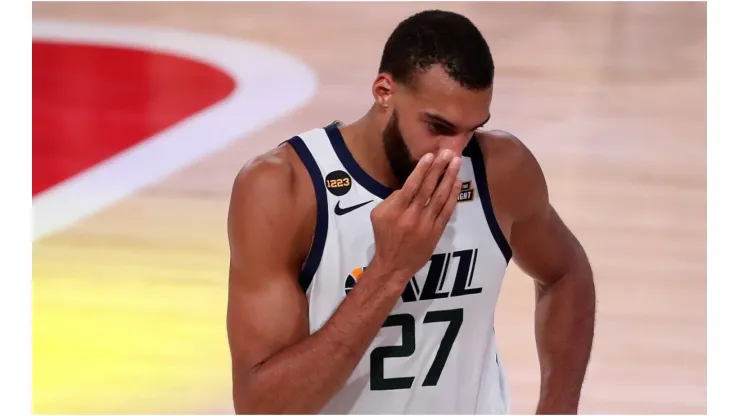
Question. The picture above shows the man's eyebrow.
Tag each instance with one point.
(447, 123)
(441, 120)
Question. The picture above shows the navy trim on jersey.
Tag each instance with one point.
(479, 170)
(353, 168)
(322, 213)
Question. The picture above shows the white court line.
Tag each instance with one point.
(269, 84)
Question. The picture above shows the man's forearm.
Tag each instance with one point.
(303, 377)
(564, 330)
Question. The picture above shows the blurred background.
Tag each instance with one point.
(138, 134)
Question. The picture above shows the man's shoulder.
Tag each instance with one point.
(513, 172)
(281, 167)
(274, 168)
(274, 179)
(505, 151)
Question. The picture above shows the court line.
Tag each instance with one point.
(260, 97)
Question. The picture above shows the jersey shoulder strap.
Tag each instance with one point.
(317, 155)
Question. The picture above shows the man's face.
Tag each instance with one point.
(436, 114)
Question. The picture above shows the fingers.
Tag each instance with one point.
(447, 182)
(431, 180)
(449, 207)
(413, 183)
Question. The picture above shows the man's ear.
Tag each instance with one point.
(384, 89)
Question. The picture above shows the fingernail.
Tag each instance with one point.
(455, 162)
(427, 158)
(446, 154)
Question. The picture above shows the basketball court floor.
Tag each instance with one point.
(144, 112)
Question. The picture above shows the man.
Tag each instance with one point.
(366, 260)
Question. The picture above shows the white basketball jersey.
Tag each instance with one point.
(436, 352)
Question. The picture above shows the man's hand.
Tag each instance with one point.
(411, 221)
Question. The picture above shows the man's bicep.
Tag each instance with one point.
(267, 312)
(543, 246)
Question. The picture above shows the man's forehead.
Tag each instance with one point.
(435, 80)
(438, 87)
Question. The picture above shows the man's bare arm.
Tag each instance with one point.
(278, 367)
(544, 248)
(565, 307)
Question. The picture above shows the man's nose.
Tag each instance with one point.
(455, 143)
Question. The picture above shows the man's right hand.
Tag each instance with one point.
(410, 222)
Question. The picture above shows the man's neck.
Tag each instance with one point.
(364, 139)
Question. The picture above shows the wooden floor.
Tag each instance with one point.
(129, 303)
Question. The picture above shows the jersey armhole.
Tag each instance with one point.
(479, 170)
(311, 263)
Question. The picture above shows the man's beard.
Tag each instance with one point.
(396, 151)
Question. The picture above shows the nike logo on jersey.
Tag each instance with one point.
(341, 211)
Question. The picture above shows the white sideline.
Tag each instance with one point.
(269, 84)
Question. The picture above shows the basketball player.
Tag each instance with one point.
(366, 259)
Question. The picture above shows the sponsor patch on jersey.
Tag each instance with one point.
(338, 182)
(467, 193)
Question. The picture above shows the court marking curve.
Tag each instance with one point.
(259, 98)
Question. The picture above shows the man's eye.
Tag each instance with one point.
(435, 129)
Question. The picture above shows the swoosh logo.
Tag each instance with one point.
(341, 211)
